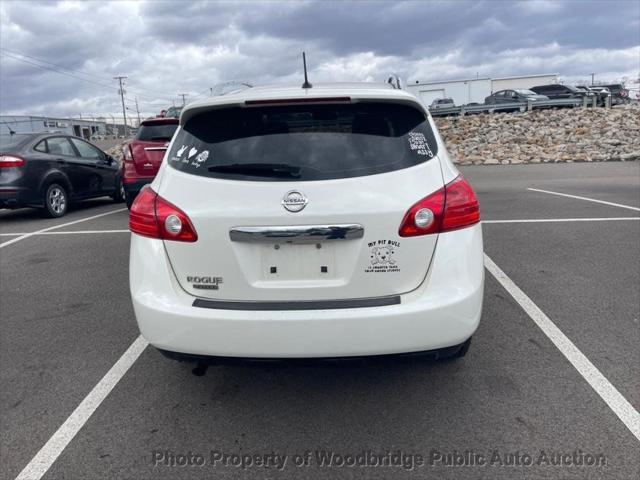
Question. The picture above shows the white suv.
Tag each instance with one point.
(290, 222)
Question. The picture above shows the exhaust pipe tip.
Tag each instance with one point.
(200, 369)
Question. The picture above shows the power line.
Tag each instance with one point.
(13, 52)
(44, 67)
(56, 70)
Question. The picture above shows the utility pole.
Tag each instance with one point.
(211, 90)
(138, 111)
(124, 113)
(592, 79)
(183, 95)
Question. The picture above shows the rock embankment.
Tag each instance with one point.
(116, 150)
(542, 136)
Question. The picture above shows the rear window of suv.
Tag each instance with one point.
(303, 142)
(156, 132)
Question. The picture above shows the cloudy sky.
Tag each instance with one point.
(59, 58)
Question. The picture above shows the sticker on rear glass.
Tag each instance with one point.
(382, 256)
(176, 156)
(418, 143)
(200, 158)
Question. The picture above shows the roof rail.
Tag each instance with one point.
(395, 81)
(218, 89)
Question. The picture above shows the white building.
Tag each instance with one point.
(36, 124)
(474, 90)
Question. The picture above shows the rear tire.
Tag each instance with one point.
(55, 200)
(119, 195)
(129, 199)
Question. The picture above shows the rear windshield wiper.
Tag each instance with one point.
(258, 169)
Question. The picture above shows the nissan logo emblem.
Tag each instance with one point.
(294, 201)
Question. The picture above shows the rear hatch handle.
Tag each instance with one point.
(297, 233)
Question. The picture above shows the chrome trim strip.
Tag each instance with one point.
(297, 233)
(155, 149)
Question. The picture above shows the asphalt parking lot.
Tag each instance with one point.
(553, 369)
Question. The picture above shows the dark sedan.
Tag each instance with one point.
(51, 170)
(514, 96)
(557, 90)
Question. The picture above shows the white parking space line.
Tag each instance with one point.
(559, 220)
(74, 232)
(48, 454)
(27, 235)
(629, 207)
(612, 397)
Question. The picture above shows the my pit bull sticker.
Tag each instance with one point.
(382, 256)
(418, 143)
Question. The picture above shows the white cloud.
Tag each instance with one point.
(166, 48)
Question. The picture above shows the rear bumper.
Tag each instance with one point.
(14, 197)
(444, 311)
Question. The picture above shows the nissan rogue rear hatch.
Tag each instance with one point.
(301, 201)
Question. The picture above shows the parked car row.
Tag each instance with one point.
(52, 170)
(601, 93)
(512, 96)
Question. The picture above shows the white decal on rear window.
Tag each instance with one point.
(176, 156)
(418, 143)
(200, 158)
(192, 152)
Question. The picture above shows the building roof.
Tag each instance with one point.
(436, 82)
(528, 76)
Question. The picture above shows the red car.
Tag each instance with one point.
(143, 155)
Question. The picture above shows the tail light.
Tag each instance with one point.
(129, 174)
(9, 161)
(126, 153)
(452, 207)
(152, 216)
